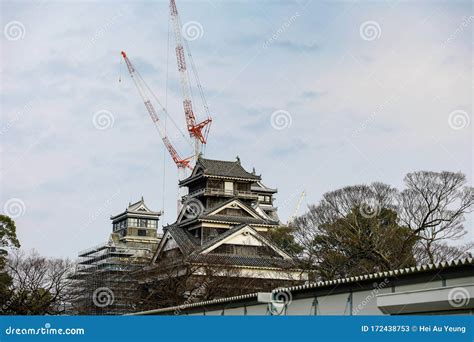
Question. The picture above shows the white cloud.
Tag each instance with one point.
(382, 107)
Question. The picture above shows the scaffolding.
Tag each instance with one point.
(105, 284)
(105, 281)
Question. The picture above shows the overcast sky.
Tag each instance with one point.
(314, 95)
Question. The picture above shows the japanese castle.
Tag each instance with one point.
(224, 220)
(223, 223)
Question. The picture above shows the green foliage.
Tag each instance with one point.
(35, 302)
(8, 239)
(7, 235)
(283, 238)
(358, 244)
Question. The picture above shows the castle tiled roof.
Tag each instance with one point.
(241, 260)
(205, 216)
(393, 274)
(137, 208)
(186, 242)
(236, 219)
(221, 168)
(192, 251)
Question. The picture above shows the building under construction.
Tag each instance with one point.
(220, 237)
(104, 282)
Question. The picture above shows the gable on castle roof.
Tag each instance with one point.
(179, 238)
(137, 208)
(220, 169)
(241, 212)
(241, 235)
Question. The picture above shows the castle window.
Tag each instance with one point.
(142, 223)
(142, 232)
(242, 186)
(132, 222)
(152, 224)
(261, 198)
(228, 187)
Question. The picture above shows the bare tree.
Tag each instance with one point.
(441, 251)
(418, 222)
(185, 281)
(433, 205)
(336, 206)
(40, 285)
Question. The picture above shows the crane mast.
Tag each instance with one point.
(141, 86)
(197, 131)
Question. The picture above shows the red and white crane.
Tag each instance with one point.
(197, 131)
(143, 89)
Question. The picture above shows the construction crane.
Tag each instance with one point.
(197, 131)
(298, 205)
(142, 88)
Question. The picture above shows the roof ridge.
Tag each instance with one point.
(320, 283)
(399, 271)
(219, 160)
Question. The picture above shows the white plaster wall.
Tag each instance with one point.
(214, 313)
(246, 240)
(300, 307)
(234, 312)
(419, 286)
(257, 310)
(367, 301)
(333, 304)
(460, 281)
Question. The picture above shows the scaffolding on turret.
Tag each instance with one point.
(105, 284)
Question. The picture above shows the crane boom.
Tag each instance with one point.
(141, 87)
(297, 208)
(197, 131)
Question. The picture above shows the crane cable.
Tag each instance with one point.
(198, 82)
(163, 109)
(200, 89)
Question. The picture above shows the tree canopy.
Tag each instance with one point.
(367, 228)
